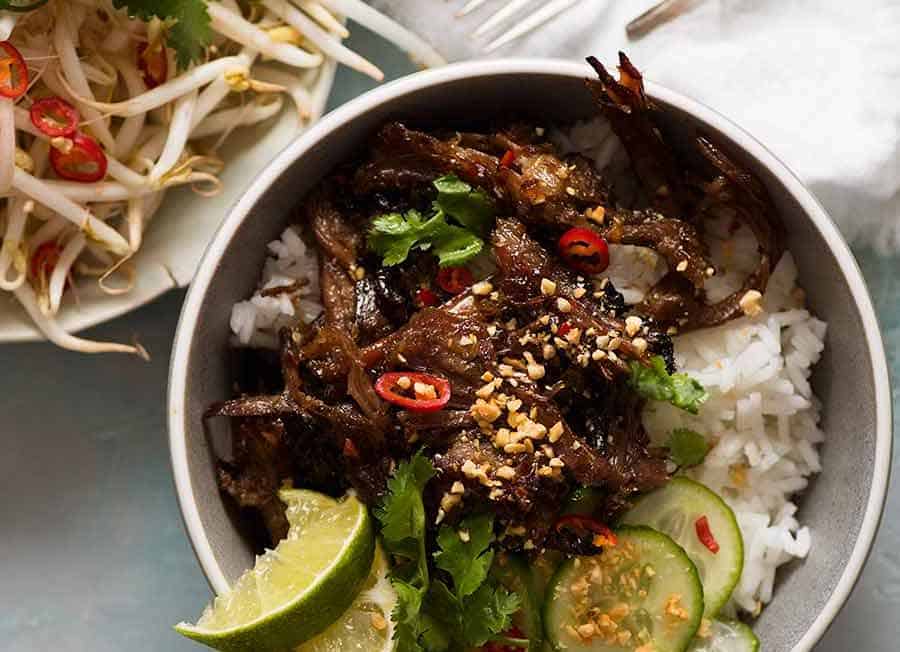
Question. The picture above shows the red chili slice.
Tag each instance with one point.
(705, 535)
(454, 279)
(508, 158)
(389, 387)
(153, 60)
(426, 297)
(350, 450)
(13, 72)
(496, 646)
(44, 259)
(564, 328)
(603, 536)
(584, 250)
(54, 117)
(85, 162)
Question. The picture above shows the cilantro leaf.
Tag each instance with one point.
(456, 246)
(654, 382)
(471, 208)
(188, 21)
(402, 513)
(687, 447)
(393, 235)
(467, 562)
(430, 616)
(406, 615)
(486, 613)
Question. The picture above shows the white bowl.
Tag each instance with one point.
(843, 505)
(180, 231)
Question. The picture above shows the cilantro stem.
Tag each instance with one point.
(512, 642)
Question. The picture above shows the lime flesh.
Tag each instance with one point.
(366, 626)
(301, 587)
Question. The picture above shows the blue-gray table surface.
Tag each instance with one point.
(92, 551)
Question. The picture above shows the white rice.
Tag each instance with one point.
(256, 322)
(762, 422)
(761, 418)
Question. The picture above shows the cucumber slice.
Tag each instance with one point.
(644, 593)
(674, 510)
(543, 567)
(726, 636)
(512, 572)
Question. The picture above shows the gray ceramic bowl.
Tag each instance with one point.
(842, 506)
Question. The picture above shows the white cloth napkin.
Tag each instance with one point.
(817, 81)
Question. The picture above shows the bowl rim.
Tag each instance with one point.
(553, 67)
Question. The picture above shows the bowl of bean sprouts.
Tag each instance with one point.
(126, 133)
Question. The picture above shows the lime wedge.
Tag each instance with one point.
(366, 626)
(302, 586)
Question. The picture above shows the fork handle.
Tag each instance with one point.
(655, 16)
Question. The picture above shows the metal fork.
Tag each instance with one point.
(502, 26)
(505, 18)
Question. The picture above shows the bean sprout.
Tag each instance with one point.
(64, 43)
(320, 14)
(7, 143)
(11, 249)
(127, 136)
(55, 333)
(179, 130)
(418, 50)
(322, 40)
(158, 126)
(7, 24)
(232, 25)
(228, 119)
(60, 274)
(293, 86)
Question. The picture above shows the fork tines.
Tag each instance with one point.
(507, 23)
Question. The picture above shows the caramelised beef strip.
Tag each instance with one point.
(691, 194)
(261, 463)
(625, 104)
(403, 157)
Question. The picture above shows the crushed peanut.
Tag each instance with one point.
(482, 288)
(506, 472)
(633, 325)
(751, 303)
(556, 431)
(548, 287)
(424, 391)
(378, 621)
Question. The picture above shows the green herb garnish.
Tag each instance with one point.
(462, 607)
(654, 382)
(394, 235)
(188, 21)
(687, 447)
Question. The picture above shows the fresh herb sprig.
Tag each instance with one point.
(456, 606)
(188, 23)
(393, 235)
(654, 382)
(687, 447)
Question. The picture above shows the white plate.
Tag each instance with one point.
(184, 225)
